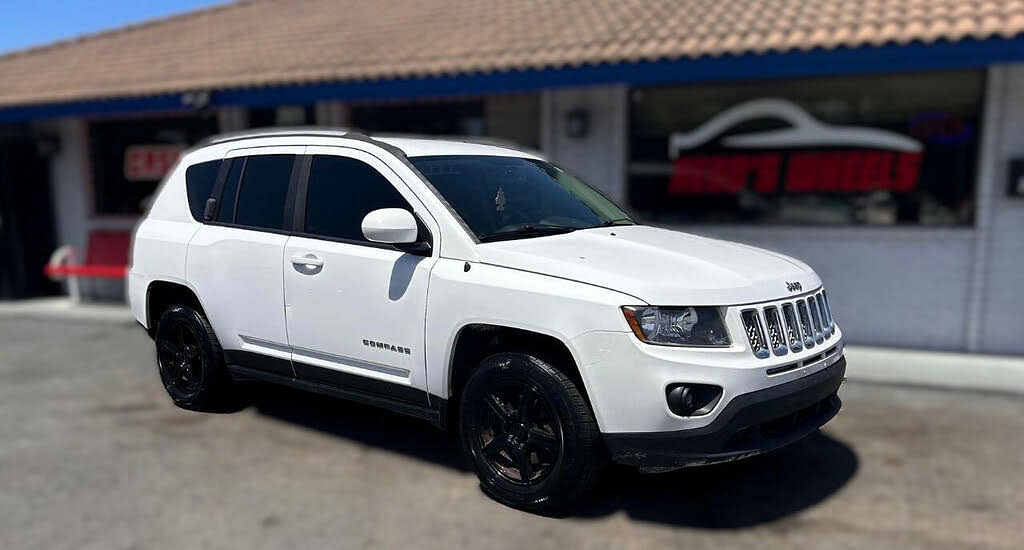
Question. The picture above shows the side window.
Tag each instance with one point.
(263, 190)
(199, 180)
(342, 191)
(226, 210)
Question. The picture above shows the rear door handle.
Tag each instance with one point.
(308, 260)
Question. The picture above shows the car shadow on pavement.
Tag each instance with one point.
(739, 494)
(360, 423)
(744, 493)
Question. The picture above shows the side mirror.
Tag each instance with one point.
(390, 226)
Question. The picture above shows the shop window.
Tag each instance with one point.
(129, 158)
(867, 150)
(342, 191)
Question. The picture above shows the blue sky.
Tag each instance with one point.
(26, 23)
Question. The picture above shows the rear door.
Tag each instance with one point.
(355, 309)
(234, 261)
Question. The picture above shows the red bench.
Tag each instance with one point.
(105, 258)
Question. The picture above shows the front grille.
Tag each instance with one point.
(790, 326)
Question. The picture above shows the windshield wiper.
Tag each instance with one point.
(531, 230)
(617, 221)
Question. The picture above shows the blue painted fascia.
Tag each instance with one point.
(916, 56)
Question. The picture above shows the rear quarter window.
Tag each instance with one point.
(199, 180)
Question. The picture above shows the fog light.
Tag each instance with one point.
(692, 399)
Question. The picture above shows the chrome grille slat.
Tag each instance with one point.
(812, 304)
(826, 327)
(755, 333)
(805, 324)
(828, 308)
(774, 325)
(792, 328)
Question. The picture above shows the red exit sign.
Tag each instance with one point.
(150, 162)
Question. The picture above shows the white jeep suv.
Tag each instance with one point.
(480, 287)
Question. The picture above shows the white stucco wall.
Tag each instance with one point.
(599, 158)
(1001, 282)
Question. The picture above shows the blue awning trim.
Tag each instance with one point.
(892, 58)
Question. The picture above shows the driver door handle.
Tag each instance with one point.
(308, 260)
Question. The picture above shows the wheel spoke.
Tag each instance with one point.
(494, 447)
(173, 370)
(525, 400)
(169, 348)
(498, 408)
(522, 456)
(191, 353)
(544, 440)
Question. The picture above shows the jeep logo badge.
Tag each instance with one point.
(794, 287)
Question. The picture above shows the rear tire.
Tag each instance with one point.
(190, 360)
(529, 434)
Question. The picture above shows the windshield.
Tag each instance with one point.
(512, 197)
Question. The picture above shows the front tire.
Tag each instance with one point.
(529, 433)
(190, 360)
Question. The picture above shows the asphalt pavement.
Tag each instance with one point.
(94, 455)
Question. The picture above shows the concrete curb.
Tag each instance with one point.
(960, 371)
(63, 308)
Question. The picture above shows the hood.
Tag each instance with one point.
(658, 266)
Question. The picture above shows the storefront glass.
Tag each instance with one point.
(130, 157)
(872, 150)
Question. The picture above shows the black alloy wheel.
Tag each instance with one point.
(190, 360)
(180, 359)
(529, 433)
(519, 434)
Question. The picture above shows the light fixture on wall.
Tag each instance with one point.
(577, 123)
(196, 100)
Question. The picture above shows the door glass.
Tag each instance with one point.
(199, 180)
(342, 191)
(226, 211)
(263, 191)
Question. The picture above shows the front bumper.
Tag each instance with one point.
(751, 423)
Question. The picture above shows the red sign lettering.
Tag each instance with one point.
(150, 162)
(844, 171)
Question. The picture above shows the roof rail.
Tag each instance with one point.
(476, 140)
(275, 132)
(346, 133)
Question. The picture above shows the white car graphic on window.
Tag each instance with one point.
(806, 131)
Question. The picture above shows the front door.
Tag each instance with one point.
(355, 309)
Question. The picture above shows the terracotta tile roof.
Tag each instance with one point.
(268, 42)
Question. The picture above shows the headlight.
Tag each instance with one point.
(677, 326)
